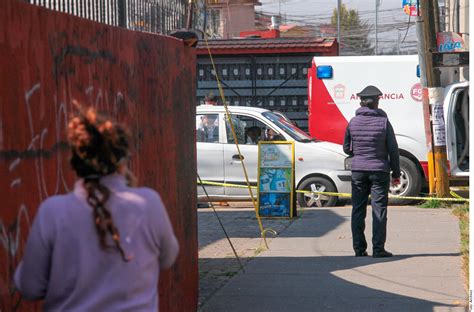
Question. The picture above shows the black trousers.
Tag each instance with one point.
(375, 183)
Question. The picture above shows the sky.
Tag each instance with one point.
(326, 6)
(392, 22)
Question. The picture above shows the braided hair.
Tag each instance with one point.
(99, 147)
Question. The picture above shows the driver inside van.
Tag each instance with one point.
(272, 135)
(253, 135)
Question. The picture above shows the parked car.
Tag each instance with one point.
(319, 166)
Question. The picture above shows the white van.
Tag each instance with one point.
(319, 166)
(332, 101)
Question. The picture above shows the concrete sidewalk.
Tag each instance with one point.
(310, 267)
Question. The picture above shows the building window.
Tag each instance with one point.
(270, 71)
(282, 102)
(306, 102)
(259, 71)
(305, 71)
(271, 103)
(236, 103)
(213, 72)
(294, 102)
(247, 71)
(224, 71)
(293, 70)
(236, 71)
(201, 72)
(282, 70)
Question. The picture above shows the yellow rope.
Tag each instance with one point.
(228, 116)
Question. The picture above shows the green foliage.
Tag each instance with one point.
(228, 273)
(354, 32)
(462, 212)
(432, 203)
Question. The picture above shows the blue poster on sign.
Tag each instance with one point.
(275, 205)
(275, 179)
(276, 170)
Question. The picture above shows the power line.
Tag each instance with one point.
(408, 27)
(389, 22)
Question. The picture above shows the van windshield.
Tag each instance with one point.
(296, 133)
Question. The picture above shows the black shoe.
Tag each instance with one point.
(361, 254)
(382, 254)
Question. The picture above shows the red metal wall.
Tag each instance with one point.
(47, 59)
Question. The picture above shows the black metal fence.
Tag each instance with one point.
(157, 16)
(274, 82)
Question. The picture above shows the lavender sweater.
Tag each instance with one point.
(64, 264)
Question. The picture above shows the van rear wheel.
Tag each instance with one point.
(316, 184)
(410, 182)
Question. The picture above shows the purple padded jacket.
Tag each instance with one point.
(370, 139)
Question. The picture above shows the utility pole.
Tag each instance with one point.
(432, 99)
(279, 11)
(189, 20)
(338, 26)
(457, 9)
(447, 13)
(376, 22)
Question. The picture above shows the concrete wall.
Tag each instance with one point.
(47, 59)
(236, 18)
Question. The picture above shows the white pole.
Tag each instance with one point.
(338, 26)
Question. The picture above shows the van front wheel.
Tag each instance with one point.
(410, 182)
(316, 184)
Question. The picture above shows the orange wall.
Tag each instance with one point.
(47, 59)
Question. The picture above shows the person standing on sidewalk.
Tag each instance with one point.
(100, 247)
(370, 139)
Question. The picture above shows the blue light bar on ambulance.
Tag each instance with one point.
(418, 74)
(324, 71)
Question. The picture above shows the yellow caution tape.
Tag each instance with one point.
(454, 194)
(456, 199)
(226, 184)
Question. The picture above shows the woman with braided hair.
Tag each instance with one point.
(100, 247)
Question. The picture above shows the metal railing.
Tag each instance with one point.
(157, 16)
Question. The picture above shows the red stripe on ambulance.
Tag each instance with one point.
(322, 110)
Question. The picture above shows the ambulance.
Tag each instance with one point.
(333, 83)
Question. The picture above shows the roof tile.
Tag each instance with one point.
(280, 45)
